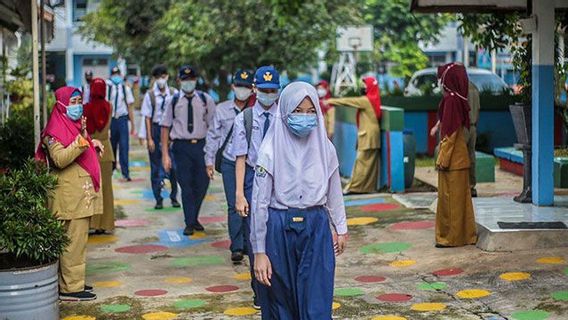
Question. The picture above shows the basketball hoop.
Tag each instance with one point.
(350, 40)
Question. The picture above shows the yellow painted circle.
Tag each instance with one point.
(429, 306)
(335, 305)
(107, 284)
(242, 311)
(126, 202)
(102, 239)
(198, 235)
(79, 318)
(178, 280)
(551, 260)
(389, 317)
(361, 221)
(140, 169)
(402, 263)
(515, 276)
(245, 276)
(210, 197)
(473, 294)
(159, 316)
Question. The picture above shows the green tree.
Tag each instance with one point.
(398, 32)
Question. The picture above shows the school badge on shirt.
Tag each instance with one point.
(260, 172)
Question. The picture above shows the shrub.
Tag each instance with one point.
(17, 140)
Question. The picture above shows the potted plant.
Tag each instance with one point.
(31, 240)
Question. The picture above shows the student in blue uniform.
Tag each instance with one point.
(121, 100)
(153, 107)
(250, 128)
(218, 146)
(185, 121)
(296, 197)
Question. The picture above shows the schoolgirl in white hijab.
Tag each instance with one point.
(296, 194)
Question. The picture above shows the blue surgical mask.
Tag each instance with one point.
(302, 124)
(266, 99)
(75, 111)
(116, 79)
(188, 86)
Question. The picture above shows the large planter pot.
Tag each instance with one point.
(29, 293)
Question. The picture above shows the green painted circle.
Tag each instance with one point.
(189, 304)
(566, 271)
(106, 267)
(385, 247)
(432, 286)
(198, 261)
(560, 295)
(348, 292)
(115, 308)
(164, 210)
(137, 191)
(530, 315)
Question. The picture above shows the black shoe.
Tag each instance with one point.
(175, 203)
(255, 303)
(473, 193)
(128, 179)
(237, 256)
(441, 246)
(159, 205)
(188, 231)
(99, 232)
(88, 288)
(198, 227)
(77, 296)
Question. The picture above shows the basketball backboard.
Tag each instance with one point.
(355, 38)
(468, 5)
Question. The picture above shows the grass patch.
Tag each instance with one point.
(425, 162)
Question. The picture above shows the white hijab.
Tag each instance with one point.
(300, 167)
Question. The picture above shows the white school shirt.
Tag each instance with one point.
(161, 99)
(121, 109)
(225, 114)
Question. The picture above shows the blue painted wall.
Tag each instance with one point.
(418, 123)
(78, 63)
(345, 141)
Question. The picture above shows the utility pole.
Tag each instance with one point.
(35, 71)
(43, 66)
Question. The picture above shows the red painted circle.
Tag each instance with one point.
(212, 219)
(370, 279)
(447, 272)
(222, 288)
(150, 292)
(223, 244)
(139, 249)
(413, 225)
(394, 297)
(131, 223)
(379, 207)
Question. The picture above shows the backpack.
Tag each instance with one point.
(175, 100)
(247, 113)
(153, 101)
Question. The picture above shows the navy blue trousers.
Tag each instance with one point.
(157, 172)
(119, 139)
(237, 224)
(192, 177)
(299, 245)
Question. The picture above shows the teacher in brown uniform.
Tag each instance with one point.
(455, 220)
(72, 156)
(366, 170)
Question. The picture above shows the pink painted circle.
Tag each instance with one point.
(370, 279)
(131, 223)
(223, 244)
(142, 249)
(447, 272)
(413, 225)
(150, 292)
(379, 207)
(212, 219)
(394, 297)
(222, 288)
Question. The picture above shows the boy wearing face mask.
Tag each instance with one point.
(153, 108)
(86, 89)
(121, 99)
(219, 138)
(186, 120)
(267, 87)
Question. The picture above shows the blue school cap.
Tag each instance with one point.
(267, 78)
(186, 72)
(243, 78)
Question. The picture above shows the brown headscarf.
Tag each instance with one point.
(454, 109)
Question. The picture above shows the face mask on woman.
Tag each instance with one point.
(322, 92)
(301, 124)
(266, 99)
(188, 86)
(242, 93)
(116, 79)
(162, 82)
(74, 111)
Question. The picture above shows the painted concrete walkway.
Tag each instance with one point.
(391, 270)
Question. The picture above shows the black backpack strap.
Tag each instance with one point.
(124, 94)
(175, 100)
(248, 123)
(109, 91)
(152, 103)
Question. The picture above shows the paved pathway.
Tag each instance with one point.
(149, 270)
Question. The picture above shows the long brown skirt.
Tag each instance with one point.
(365, 172)
(455, 219)
(105, 221)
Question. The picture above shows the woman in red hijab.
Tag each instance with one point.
(455, 220)
(366, 170)
(72, 156)
(327, 109)
(98, 114)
